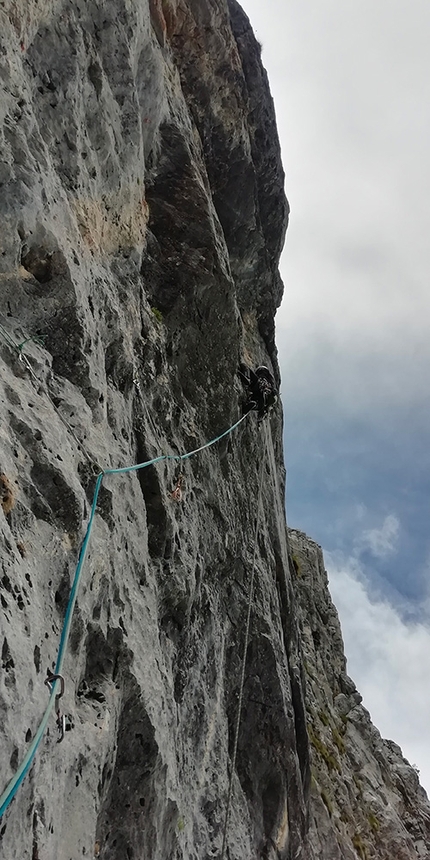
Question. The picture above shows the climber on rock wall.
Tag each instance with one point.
(261, 389)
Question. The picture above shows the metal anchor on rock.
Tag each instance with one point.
(61, 719)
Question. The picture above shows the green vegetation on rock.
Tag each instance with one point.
(323, 750)
(359, 846)
(158, 315)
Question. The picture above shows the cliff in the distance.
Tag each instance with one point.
(142, 216)
(366, 799)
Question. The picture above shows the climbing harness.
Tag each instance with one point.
(61, 720)
(244, 653)
(11, 790)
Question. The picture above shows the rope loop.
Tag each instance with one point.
(244, 655)
(11, 790)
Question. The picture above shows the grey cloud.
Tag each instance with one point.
(387, 658)
(350, 83)
(380, 542)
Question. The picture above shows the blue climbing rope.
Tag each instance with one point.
(11, 790)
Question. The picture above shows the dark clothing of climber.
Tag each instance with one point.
(261, 389)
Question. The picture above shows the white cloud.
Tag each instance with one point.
(353, 118)
(380, 542)
(350, 85)
(388, 660)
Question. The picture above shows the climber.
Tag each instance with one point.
(261, 389)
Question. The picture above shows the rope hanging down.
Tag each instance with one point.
(245, 649)
(11, 790)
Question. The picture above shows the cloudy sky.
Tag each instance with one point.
(350, 83)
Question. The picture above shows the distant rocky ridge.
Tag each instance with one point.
(366, 799)
(142, 216)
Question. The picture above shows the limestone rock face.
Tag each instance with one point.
(142, 215)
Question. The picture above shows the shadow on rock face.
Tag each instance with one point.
(61, 499)
(154, 495)
(133, 820)
(38, 261)
(181, 244)
(266, 745)
(106, 658)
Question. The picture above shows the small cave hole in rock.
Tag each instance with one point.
(38, 261)
(316, 636)
(36, 658)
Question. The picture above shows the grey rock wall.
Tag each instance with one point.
(142, 215)
(140, 241)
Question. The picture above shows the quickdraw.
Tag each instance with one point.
(61, 720)
(176, 494)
